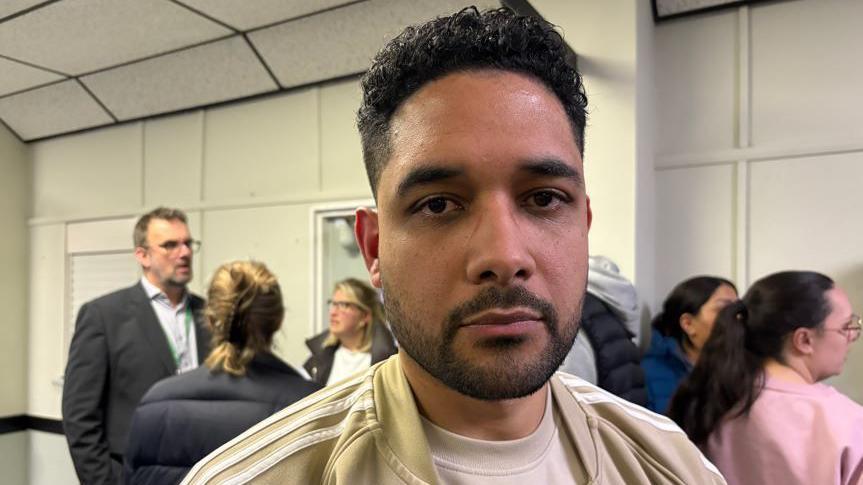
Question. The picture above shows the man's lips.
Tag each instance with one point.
(502, 317)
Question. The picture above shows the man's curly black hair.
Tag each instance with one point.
(467, 40)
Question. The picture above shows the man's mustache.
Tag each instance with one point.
(494, 297)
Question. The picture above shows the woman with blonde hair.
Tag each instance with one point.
(183, 418)
(357, 337)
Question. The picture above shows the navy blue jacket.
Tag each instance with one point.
(183, 418)
(616, 355)
(665, 367)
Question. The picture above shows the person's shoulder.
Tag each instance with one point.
(117, 297)
(633, 436)
(838, 405)
(197, 301)
(296, 443)
(176, 387)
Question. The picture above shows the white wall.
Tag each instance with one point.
(13, 457)
(15, 183)
(14, 211)
(760, 147)
(50, 462)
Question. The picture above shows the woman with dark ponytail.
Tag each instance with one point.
(182, 419)
(679, 333)
(754, 402)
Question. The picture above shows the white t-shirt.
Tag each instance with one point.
(543, 457)
(346, 363)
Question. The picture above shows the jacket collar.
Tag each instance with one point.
(396, 410)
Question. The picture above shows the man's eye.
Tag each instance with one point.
(436, 206)
(545, 199)
(542, 199)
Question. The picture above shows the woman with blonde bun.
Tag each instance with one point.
(357, 337)
(182, 419)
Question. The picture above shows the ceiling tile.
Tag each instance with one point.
(238, 14)
(342, 41)
(15, 76)
(81, 36)
(9, 7)
(214, 72)
(51, 110)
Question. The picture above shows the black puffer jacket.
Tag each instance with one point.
(320, 363)
(617, 357)
(183, 418)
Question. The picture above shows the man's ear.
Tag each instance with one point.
(367, 232)
(142, 256)
(589, 212)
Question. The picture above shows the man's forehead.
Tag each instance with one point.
(469, 122)
(166, 227)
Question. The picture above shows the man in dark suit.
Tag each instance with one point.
(126, 341)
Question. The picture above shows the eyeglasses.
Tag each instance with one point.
(343, 305)
(173, 247)
(851, 329)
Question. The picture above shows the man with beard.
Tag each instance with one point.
(472, 129)
(126, 341)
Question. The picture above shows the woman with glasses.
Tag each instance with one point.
(183, 418)
(755, 403)
(357, 338)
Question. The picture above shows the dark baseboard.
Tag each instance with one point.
(23, 422)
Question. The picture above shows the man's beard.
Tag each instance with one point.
(507, 376)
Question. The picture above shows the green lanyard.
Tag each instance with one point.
(171, 340)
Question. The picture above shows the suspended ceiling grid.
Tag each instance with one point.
(72, 65)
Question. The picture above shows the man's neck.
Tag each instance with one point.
(508, 419)
(175, 294)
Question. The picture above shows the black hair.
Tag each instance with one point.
(687, 297)
(728, 376)
(468, 40)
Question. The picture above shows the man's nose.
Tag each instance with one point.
(185, 250)
(499, 249)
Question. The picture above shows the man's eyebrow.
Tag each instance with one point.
(550, 167)
(425, 175)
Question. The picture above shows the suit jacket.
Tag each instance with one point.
(117, 352)
(320, 363)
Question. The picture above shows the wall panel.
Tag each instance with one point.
(13, 457)
(695, 83)
(50, 462)
(88, 173)
(694, 225)
(15, 196)
(806, 72)
(262, 148)
(342, 167)
(47, 300)
(172, 160)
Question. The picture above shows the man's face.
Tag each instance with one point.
(480, 243)
(167, 259)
